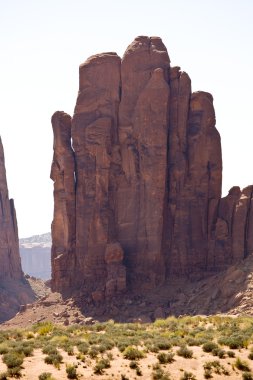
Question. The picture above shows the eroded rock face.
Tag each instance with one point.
(116, 271)
(14, 290)
(232, 234)
(63, 226)
(195, 184)
(143, 134)
(10, 263)
(137, 177)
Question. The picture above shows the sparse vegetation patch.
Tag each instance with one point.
(132, 348)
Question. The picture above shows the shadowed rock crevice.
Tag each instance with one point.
(142, 181)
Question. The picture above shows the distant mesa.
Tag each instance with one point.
(137, 177)
(35, 252)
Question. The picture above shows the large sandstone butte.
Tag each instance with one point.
(137, 179)
(14, 290)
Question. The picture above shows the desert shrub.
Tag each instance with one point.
(13, 359)
(152, 347)
(14, 372)
(109, 355)
(3, 376)
(185, 352)
(29, 335)
(101, 348)
(101, 340)
(25, 348)
(83, 347)
(71, 372)
(81, 357)
(123, 343)
(237, 342)
(54, 358)
(209, 346)
(132, 353)
(188, 376)
(93, 352)
(171, 323)
(100, 326)
(163, 344)
(210, 365)
(69, 349)
(107, 343)
(17, 334)
(234, 341)
(194, 341)
(216, 367)
(4, 335)
(219, 352)
(59, 340)
(43, 328)
(250, 356)
(242, 365)
(177, 341)
(101, 365)
(230, 354)
(247, 376)
(46, 376)
(165, 358)
(159, 374)
(49, 349)
(208, 373)
(93, 339)
(4, 348)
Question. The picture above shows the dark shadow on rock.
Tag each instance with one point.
(13, 294)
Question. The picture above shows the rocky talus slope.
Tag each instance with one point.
(14, 289)
(228, 292)
(137, 177)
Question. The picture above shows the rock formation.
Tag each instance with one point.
(63, 226)
(137, 179)
(10, 264)
(13, 288)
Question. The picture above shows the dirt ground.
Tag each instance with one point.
(35, 365)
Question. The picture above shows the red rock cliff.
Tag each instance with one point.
(137, 175)
(14, 289)
(10, 263)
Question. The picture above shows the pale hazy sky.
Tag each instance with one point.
(42, 43)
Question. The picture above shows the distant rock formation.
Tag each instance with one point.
(139, 168)
(35, 252)
(13, 288)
